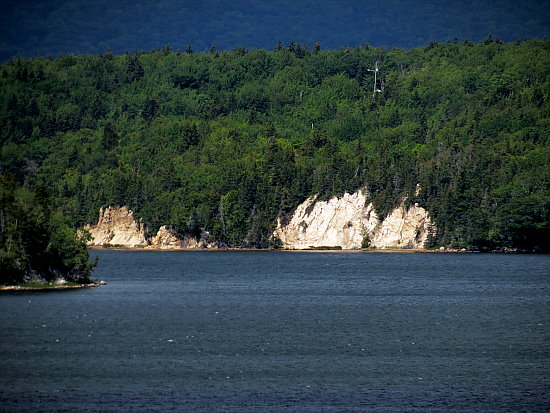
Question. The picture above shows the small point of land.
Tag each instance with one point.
(49, 286)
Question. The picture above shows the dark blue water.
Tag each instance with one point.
(284, 331)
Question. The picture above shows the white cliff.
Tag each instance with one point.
(346, 221)
(166, 239)
(403, 228)
(336, 222)
(117, 226)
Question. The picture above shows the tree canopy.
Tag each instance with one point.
(227, 141)
(38, 244)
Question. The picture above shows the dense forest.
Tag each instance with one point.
(36, 27)
(227, 141)
(37, 243)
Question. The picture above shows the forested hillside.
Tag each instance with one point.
(228, 141)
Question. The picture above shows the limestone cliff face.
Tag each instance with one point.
(336, 222)
(346, 221)
(117, 226)
(166, 239)
(404, 228)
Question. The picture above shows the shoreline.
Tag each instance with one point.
(323, 250)
(49, 287)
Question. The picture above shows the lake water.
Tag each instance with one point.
(284, 331)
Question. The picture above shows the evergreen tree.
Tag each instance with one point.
(36, 243)
(134, 69)
(110, 137)
(150, 109)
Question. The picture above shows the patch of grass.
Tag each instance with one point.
(112, 246)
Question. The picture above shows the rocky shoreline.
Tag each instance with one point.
(321, 250)
(316, 249)
(341, 224)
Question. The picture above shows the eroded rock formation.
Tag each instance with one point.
(336, 222)
(166, 238)
(403, 228)
(117, 226)
(350, 223)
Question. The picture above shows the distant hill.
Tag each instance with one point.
(37, 27)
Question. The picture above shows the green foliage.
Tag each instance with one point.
(365, 243)
(134, 69)
(37, 243)
(226, 142)
(110, 137)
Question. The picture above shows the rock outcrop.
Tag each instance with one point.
(350, 223)
(117, 226)
(403, 228)
(166, 238)
(337, 222)
(204, 241)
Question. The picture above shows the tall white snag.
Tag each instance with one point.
(375, 86)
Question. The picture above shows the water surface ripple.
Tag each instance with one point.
(284, 331)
